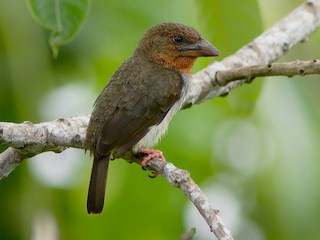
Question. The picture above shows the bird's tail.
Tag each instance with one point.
(97, 185)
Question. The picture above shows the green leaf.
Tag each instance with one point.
(229, 25)
(62, 17)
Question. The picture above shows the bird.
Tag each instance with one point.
(134, 109)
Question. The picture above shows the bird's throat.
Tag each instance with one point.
(182, 64)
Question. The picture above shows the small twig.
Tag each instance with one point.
(181, 179)
(188, 235)
(9, 160)
(289, 69)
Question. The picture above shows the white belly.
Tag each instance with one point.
(157, 131)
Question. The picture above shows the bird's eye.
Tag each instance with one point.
(178, 39)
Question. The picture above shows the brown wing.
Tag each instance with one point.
(122, 131)
(131, 103)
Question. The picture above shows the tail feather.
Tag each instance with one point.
(97, 186)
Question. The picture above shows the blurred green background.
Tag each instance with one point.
(255, 152)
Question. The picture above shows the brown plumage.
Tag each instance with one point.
(134, 109)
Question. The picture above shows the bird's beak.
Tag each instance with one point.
(200, 49)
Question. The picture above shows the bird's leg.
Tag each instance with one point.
(146, 154)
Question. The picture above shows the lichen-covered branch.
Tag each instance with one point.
(181, 179)
(289, 69)
(69, 132)
(27, 139)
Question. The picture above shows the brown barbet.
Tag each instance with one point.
(134, 109)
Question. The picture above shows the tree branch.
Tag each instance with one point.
(181, 179)
(27, 139)
(289, 69)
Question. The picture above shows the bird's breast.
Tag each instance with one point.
(157, 131)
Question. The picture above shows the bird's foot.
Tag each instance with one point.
(147, 154)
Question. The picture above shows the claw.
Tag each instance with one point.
(154, 174)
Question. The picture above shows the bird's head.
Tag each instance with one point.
(175, 46)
